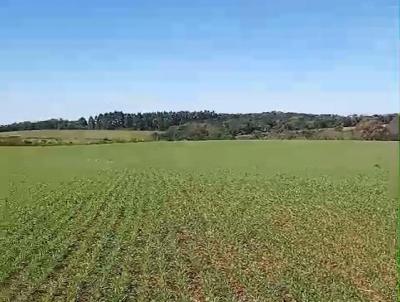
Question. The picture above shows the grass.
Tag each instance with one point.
(199, 221)
(76, 137)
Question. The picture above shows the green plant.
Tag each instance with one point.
(291, 220)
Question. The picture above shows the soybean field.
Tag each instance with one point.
(199, 221)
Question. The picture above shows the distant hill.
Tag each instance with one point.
(197, 125)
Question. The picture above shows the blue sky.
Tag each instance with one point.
(76, 58)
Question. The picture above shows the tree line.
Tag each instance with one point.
(209, 124)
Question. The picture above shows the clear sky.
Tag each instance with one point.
(76, 58)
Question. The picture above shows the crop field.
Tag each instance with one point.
(199, 221)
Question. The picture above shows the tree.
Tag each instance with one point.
(128, 121)
(91, 123)
(82, 122)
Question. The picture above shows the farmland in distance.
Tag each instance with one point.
(199, 221)
(72, 137)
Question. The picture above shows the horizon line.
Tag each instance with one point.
(203, 110)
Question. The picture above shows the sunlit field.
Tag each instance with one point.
(199, 221)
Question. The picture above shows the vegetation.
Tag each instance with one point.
(76, 137)
(199, 221)
(206, 125)
(46, 125)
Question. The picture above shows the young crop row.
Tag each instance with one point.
(166, 235)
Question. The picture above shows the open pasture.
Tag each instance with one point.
(199, 221)
(75, 137)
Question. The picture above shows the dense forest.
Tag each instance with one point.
(211, 125)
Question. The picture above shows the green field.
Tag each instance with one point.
(76, 137)
(199, 221)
